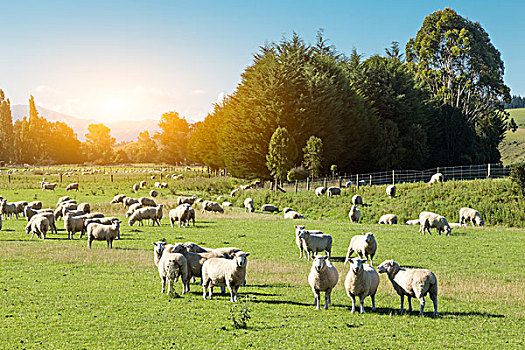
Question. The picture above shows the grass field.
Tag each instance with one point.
(58, 294)
(512, 148)
(519, 116)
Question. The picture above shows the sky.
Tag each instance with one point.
(132, 60)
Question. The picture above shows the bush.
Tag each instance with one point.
(297, 173)
(517, 175)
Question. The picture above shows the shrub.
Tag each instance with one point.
(297, 173)
(517, 175)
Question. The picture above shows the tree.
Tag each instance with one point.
(282, 153)
(99, 143)
(63, 145)
(313, 153)
(7, 135)
(173, 137)
(146, 149)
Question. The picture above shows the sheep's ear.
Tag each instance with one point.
(247, 254)
(294, 226)
(154, 243)
(364, 233)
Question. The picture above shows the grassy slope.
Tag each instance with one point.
(513, 147)
(59, 294)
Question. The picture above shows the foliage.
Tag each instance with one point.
(282, 153)
(173, 137)
(516, 101)
(240, 313)
(313, 156)
(297, 174)
(7, 136)
(517, 175)
(99, 143)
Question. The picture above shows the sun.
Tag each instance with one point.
(112, 107)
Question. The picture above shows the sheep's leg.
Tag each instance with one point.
(362, 304)
(317, 302)
(326, 299)
(409, 303)
(353, 303)
(169, 287)
(210, 294)
(223, 290)
(373, 297)
(434, 299)
(422, 301)
(204, 290)
(163, 284)
(402, 301)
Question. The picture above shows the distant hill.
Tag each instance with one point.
(519, 116)
(124, 130)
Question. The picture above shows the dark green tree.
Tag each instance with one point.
(7, 135)
(100, 143)
(173, 137)
(313, 155)
(282, 153)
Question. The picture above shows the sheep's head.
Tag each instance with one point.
(179, 248)
(479, 221)
(240, 258)
(190, 246)
(298, 229)
(356, 265)
(388, 266)
(447, 230)
(159, 247)
(319, 262)
(303, 234)
(369, 236)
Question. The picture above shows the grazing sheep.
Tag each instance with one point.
(171, 266)
(59, 211)
(153, 193)
(72, 186)
(269, 208)
(147, 202)
(142, 184)
(248, 205)
(437, 177)
(119, 198)
(412, 283)
(104, 221)
(333, 191)
(472, 215)
(412, 222)
(319, 191)
(47, 213)
(300, 242)
(94, 215)
(20, 205)
(291, 214)
(49, 186)
(322, 278)
(148, 213)
(8, 209)
(316, 242)
(157, 185)
(99, 232)
(35, 205)
(63, 199)
(136, 188)
(187, 200)
(164, 185)
(391, 191)
(357, 200)
(234, 192)
(354, 214)
(227, 204)
(181, 214)
(364, 245)
(388, 219)
(428, 220)
(74, 224)
(362, 281)
(39, 225)
(348, 184)
(224, 272)
(159, 213)
(455, 225)
(128, 201)
(132, 209)
(85, 207)
(211, 206)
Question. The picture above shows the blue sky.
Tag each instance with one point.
(110, 60)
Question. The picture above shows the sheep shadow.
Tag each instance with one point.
(338, 258)
(280, 302)
(8, 230)
(415, 312)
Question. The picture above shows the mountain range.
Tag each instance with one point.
(122, 130)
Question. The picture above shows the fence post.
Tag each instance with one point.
(393, 178)
(295, 186)
(488, 171)
(340, 181)
(9, 178)
(60, 177)
(324, 184)
(111, 177)
(357, 181)
(308, 183)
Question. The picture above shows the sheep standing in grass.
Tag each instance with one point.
(159, 213)
(234, 192)
(357, 200)
(412, 283)
(72, 186)
(148, 213)
(319, 191)
(322, 278)
(153, 193)
(99, 232)
(73, 225)
(211, 206)
(128, 201)
(354, 214)
(142, 184)
(20, 205)
(186, 200)
(362, 281)
(364, 245)
(171, 266)
(316, 242)
(85, 207)
(224, 272)
(35, 205)
(48, 186)
(63, 199)
(47, 213)
(178, 214)
(437, 177)
(8, 209)
(136, 188)
(39, 225)
(132, 209)
(119, 198)
(388, 219)
(248, 205)
(412, 222)
(428, 220)
(195, 260)
(291, 214)
(471, 215)
(300, 242)
(269, 208)
(391, 191)
(333, 191)
(147, 202)
(104, 221)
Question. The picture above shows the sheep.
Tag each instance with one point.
(211, 206)
(316, 242)
(73, 225)
(227, 204)
(234, 192)
(181, 214)
(157, 185)
(357, 200)
(437, 177)
(142, 184)
(147, 202)
(412, 222)
(164, 185)
(159, 213)
(49, 186)
(132, 209)
(104, 221)
(224, 272)
(39, 226)
(135, 188)
(63, 199)
(248, 205)
(348, 184)
(269, 208)
(8, 209)
(20, 205)
(127, 201)
(153, 193)
(322, 278)
(35, 205)
(388, 219)
(455, 225)
(171, 266)
(99, 232)
(472, 215)
(119, 198)
(72, 212)
(187, 200)
(64, 206)
(362, 281)
(391, 191)
(414, 283)
(291, 214)
(148, 213)
(85, 207)
(300, 243)
(195, 260)
(47, 213)
(354, 214)
(333, 191)
(319, 191)
(72, 186)
(428, 220)
(94, 215)
(0, 221)
(364, 245)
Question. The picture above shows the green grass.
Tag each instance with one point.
(58, 294)
(519, 116)
(512, 148)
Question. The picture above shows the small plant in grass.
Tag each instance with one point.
(240, 313)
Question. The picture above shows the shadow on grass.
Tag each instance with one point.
(8, 230)
(395, 312)
(279, 302)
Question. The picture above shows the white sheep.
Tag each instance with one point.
(455, 225)
(471, 215)
(128, 201)
(119, 198)
(224, 272)
(362, 281)
(157, 185)
(36, 205)
(234, 192)
(48, 186)
(74, 224)
(164, 185)
(437, 177)
(354, 214)
(195, 260)
(132, 209)
(147, 202)
(99, 232)
(319, 191)
(135, 188)
(333, 191)
(414, 283)
(248, 205)
(186, 200)
(388, 219)
(300, 242)
(227, 204)
(85, 207)
(428, 220)
(142, 184)
(63, 199)
(211, 206)
(323, 277)
(72, 186)
(171, 266)
(269, 208)
(316, 242)
(47, 213)
(38, 225)
(357, 200)
(364, 245)
(20, 205)
(153, 193)
(291, 214)
(148, 213)
(412, 222)
(8, 209)
(104, 221)
(391, 191)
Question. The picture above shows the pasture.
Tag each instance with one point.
(59, 294)
(512, 148)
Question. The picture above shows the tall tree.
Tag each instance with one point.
(146, 149)
(173, 137)
(100, 143)
(63, 145)
(282, 153)
(313, 155)
(7, 135)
